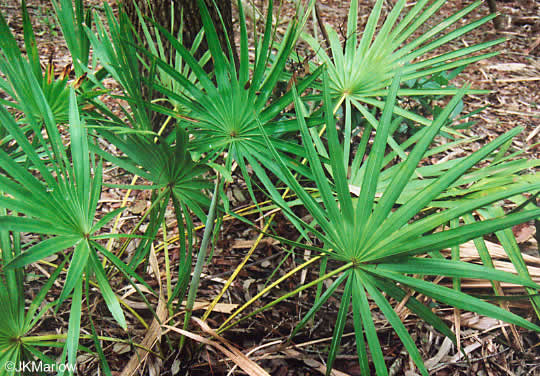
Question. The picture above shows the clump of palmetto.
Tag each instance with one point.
(375, 212)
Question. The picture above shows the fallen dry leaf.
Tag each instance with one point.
(139, 207)
(246, 364)
(523, 232)
(508, 67)
(473, 320)
(220, 307)
(154, 332)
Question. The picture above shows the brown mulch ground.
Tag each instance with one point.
(514, 78)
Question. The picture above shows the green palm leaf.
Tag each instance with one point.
(361, 71)
(223, 116)
(378, 237)
(61, 200)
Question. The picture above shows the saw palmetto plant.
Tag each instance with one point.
(366, 205)
(57, 193)
(377, 250)
(360, 71)
(222, 107)
(174, 178)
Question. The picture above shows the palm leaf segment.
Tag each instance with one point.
(379, 247)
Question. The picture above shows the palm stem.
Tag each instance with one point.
(200, 260)
(57, 337)
(341, 269)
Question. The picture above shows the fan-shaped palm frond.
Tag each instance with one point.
(222, 109)
(379, 245)
(361, 71)
(57, 199)
(365, 69)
